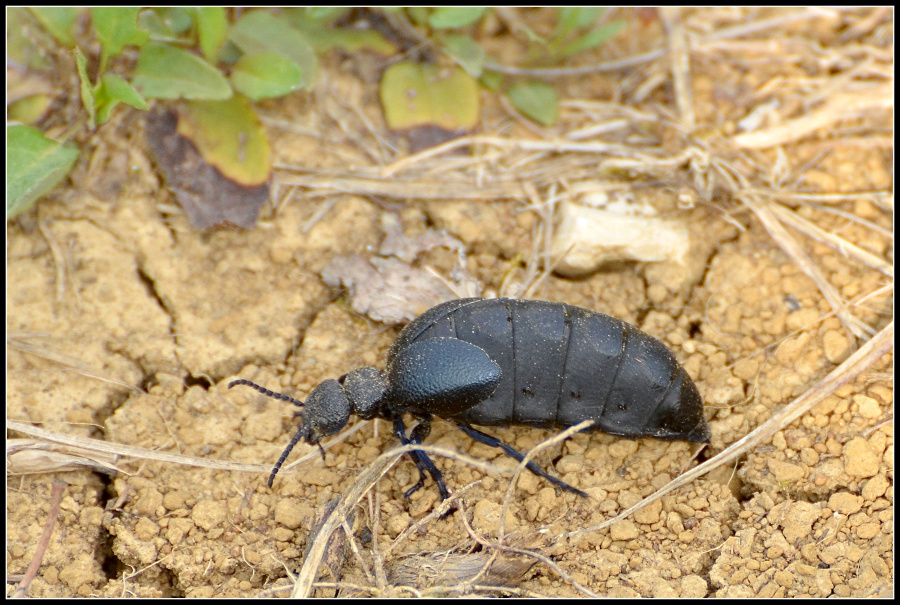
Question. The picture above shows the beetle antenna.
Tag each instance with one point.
(321, 450)
(300, 434)
(266, 392)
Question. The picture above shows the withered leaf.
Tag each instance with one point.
(208, 197)
(386, 289)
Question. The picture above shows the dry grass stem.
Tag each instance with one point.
(31, 457)
(529, 456)
(680, 65)
(793, 249)
(106, 453)
(560, 146)
(412, 190)
(434, 515)
(855, 219)
(499, 546)
(840, 107)
(57, 490)
(24, 342)
(59, 261)
(883, 199)
(838, 243)
(354, 493)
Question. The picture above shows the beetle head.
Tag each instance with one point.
(328, 407)
(325, 412)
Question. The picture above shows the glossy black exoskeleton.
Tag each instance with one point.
(503, 362)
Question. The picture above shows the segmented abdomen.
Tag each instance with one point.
(561, 365)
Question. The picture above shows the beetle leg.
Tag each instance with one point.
(400, 433)
(419, 433)
(423, 462)
(512, 453)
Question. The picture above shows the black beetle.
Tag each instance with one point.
(501, 362)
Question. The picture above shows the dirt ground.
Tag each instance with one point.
(125, 325)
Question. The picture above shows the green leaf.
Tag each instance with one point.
(177, 19)
(117, 28)
(348, 39)
(34, 165)
(467, 53)
(567, 17)
(230, 137)
(592, 39)
(418, 14)
(536, 100)
(576, 17)
(531, 35)
(166, 72)
(259, 31)
(58, 20)
(455, 16)
(266, 75)
(212, 28)
(116, 87)
(30, 109)
(492, 80)
(87, 89)
(151, 21)
(113, 90)
(325, 15)
(413, 94)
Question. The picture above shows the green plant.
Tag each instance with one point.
(578, 29)
(211, 54)
(198, 54)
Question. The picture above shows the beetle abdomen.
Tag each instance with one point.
(561, 365)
